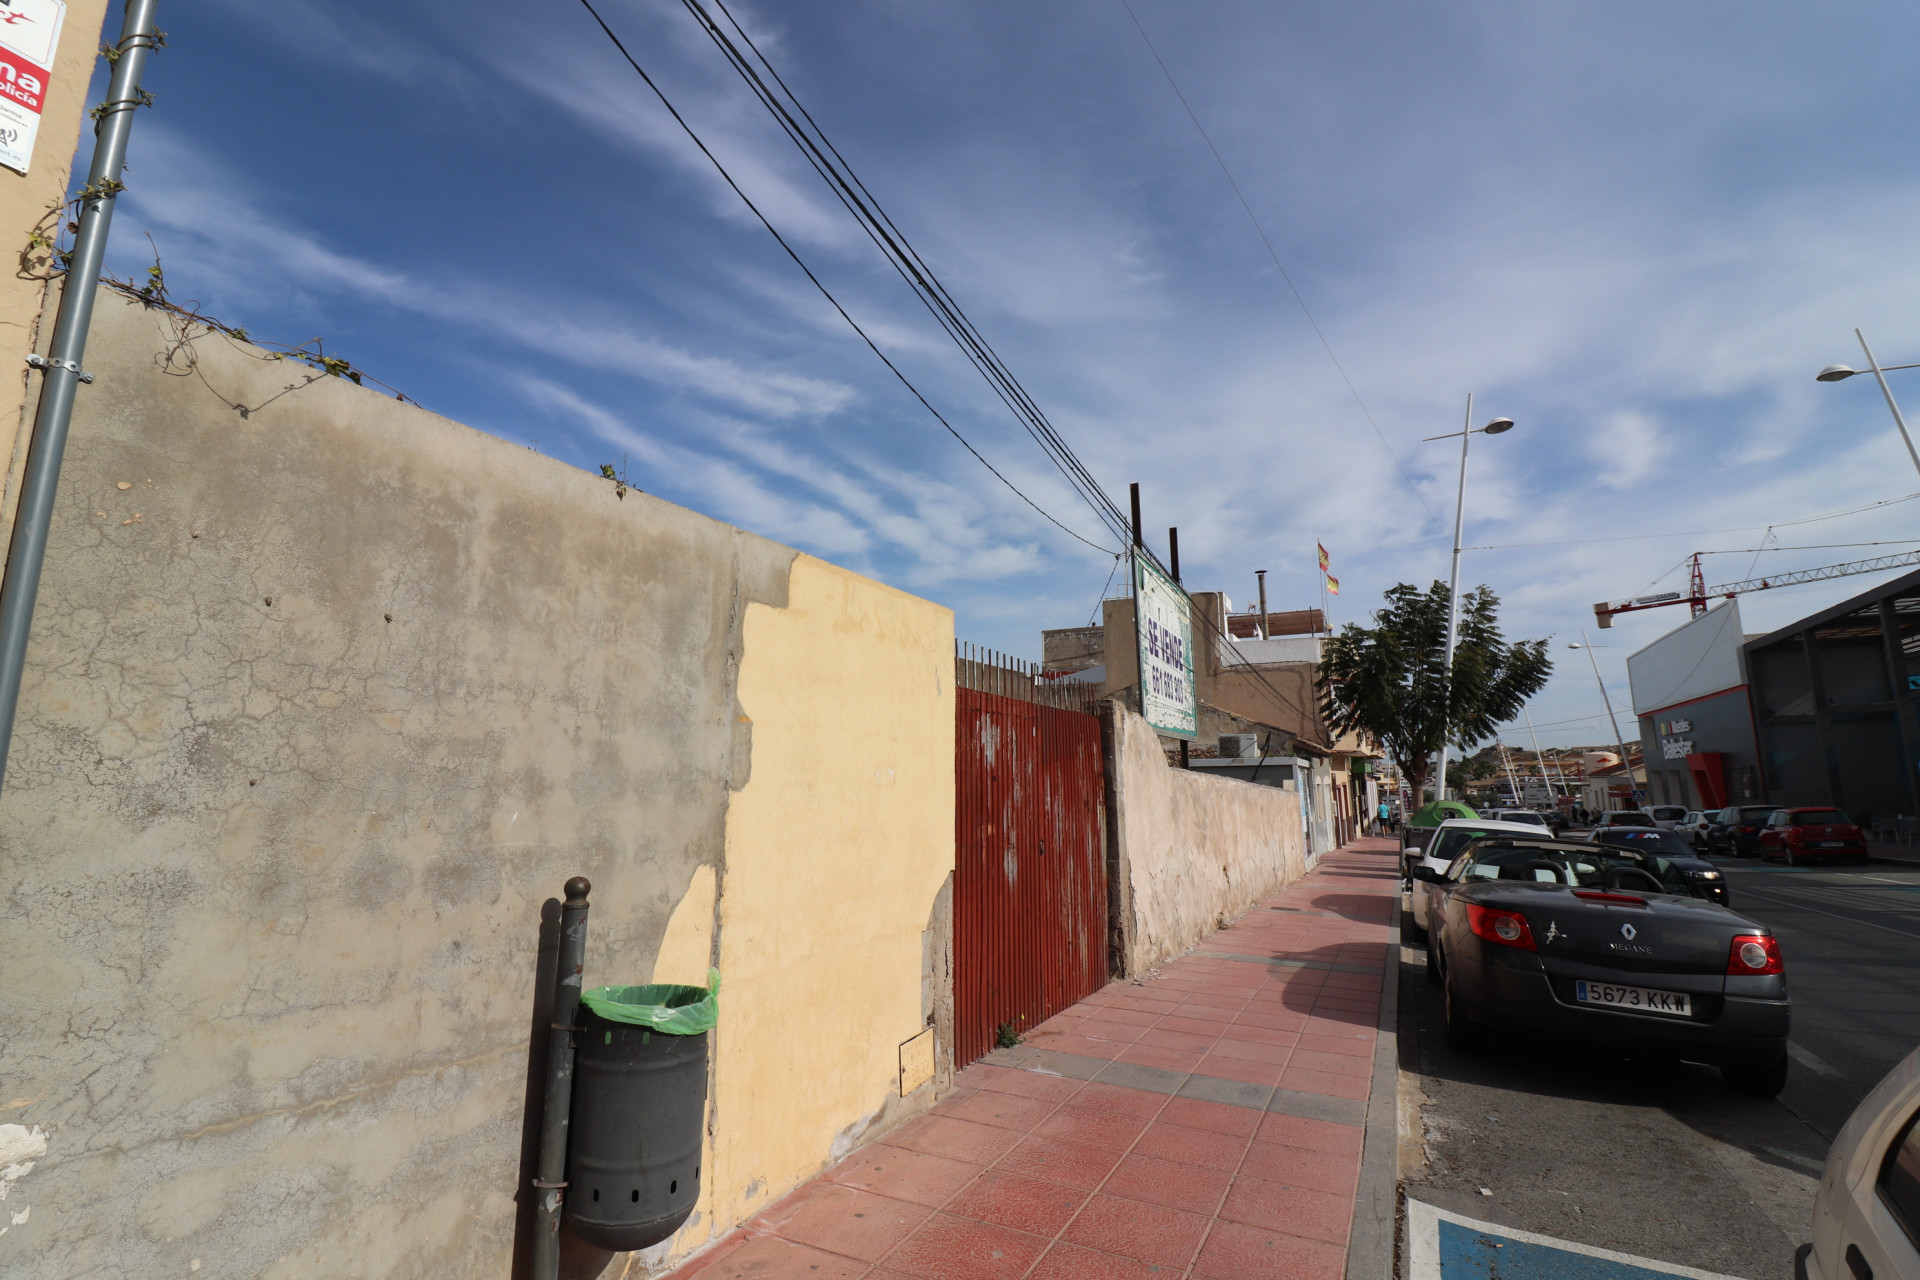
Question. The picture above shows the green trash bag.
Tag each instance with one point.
(663, 1006)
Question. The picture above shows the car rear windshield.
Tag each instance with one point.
(1523, 815)
(1821, 818)
(1629, 819)
(1669, 813)
(1448, 843)
(1649, 842)
(1557, 866)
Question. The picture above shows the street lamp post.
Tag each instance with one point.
(1466, 432)
(1840, 373)
(1626, 761)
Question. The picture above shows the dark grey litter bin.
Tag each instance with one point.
(639, 1112)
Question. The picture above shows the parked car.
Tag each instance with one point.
(1694, 828)
(1450, 838)
(1582, 943)
(1670, 856)
(1736, 830)
(1526, 817)
(1666, 816)
(1620, 818)
(1558, 821)
(1866, 1212)
(1798, 836)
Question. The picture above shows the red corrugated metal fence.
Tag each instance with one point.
(1030, 882)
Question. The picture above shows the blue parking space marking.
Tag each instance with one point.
(1448, 1246)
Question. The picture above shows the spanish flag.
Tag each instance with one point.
(1323, 557)
(1333, 585)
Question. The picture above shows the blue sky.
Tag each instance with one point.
(1636, 229)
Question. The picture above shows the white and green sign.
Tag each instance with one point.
(1163, 626)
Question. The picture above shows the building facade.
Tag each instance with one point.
(1690, 695)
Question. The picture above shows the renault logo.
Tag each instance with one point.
(1627, 931)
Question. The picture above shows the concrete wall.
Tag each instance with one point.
(324, 703)
(1189, 850)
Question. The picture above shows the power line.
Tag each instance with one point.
(800, 127)
(824, 291)
(1699, 533)
(1274, 254)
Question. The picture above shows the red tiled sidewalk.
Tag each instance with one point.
(1205, 1121)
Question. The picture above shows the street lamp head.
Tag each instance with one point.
(1498, 425)
(1834, 373)
(1576, 646)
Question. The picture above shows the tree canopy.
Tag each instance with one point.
(1390, 679)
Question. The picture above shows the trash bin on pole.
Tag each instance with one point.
(639, 1111)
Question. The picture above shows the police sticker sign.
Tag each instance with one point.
(1163, 625)
(29, 35)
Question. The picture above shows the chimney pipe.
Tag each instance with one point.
(1261, 574)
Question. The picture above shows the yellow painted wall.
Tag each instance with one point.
(836, 851)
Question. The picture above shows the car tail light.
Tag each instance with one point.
(1754, 953)
(1508, 928)
(1600, 895)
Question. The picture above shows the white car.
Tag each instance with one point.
(1667, 816)
(1866, 1214)
(1525, 816)
(1693, 827)
(1449, 838)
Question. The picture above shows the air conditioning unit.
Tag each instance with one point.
(1239, 746)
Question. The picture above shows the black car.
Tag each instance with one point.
(1583, 943)
(1671, 857)
(1736, 830)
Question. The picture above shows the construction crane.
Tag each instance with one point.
(1698, 593)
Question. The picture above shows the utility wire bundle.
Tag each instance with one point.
(800, 127)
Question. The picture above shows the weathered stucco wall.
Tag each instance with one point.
(1189, 851)
(325, 701)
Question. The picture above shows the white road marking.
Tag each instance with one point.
(1807, 1059)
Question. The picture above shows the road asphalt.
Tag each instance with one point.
(1662, 1160)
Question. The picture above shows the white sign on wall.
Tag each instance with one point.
(29, 37)
(1163, 625)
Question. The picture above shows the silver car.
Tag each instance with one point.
(1866, 1214)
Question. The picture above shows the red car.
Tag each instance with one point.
(1811, 835)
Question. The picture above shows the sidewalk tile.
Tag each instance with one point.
(1196, 1113)
(1109, 1097)
(841, 1220)
(901, 1174)
(1236, 1252)
(1337, 1063)
(1071, 1164)
(1253, 1051)
(1299, 1167)
(1146, 1055)
(1223, 1067)
(1093, 1126)
(1032, 1084)
(1154, 1234)
(1071, 1262)
(1200, 1147)
(1253, 1202)
(955, 1248)
(1178, 1186)
(1008, 1200)
(1338, 1086)
(771, 1258)
(1001, 1110)
(957, 1139)
(1354, 1043)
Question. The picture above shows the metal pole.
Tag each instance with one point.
(550, 1181)
(27, 550)
(1453, 588)
(1898, 420)
(1542, 760)
(1626, 761)
(1173, 563)
(1261, 576)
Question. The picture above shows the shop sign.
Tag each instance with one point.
(1163, 630)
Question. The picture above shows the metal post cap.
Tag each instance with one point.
(577, 890)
